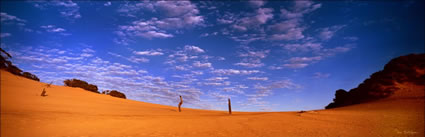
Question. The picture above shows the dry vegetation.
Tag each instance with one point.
(7, 65)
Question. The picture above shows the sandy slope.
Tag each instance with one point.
(75, 112)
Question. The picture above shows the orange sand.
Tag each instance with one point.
(74, 112)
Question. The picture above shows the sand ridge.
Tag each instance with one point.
(70, 111)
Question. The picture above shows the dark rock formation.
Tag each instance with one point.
(380, 85)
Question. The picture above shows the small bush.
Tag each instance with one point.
(14, 70)
(30, 76)
(81, 84)
(114, 93)
(6, 64)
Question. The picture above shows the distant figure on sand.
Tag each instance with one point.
(230, 106)
(43, 94)
(48, 85)
(180, 104)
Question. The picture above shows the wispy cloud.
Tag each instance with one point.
(217, 79)
(320, 75)
(234, 72)
(252, 58)
(107, 3)
(10, 18)
(328, 32)
(202, 65)
(149, 52)
(176, 15)
(54, 29)
(131, 58)
(301, 62)
(195, 49)
(258, 78)
(67, 9)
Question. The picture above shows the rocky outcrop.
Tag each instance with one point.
(381, 84)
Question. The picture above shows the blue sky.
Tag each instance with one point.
(264, 55)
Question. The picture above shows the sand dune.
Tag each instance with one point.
(74, 112)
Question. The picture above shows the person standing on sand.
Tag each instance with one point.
(43, 94)
(180, 104)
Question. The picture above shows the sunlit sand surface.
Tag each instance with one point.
(74, 112)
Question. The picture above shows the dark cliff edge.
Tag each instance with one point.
(381, 84)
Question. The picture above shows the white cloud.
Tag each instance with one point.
(321, 75)
(209, 34)
(328, 32)
(254, 54)
(175, 15)
(201, 65)
(67, 9)
(107, 3)
(252, 58)
(189, 52)
(7, 19)
(284, 25)
(195, 49)
(262, 15)
(303, 47)
(180, 67)
(132, 8)
(224, 83)
(299, 9)
(131, 59)
(275, 67)
(70, 10)
(234, 72)
(54, 29)
(291, 29)
(138, 59)
(87, 50)
(86, 55)
(197, 72)
(336, 50)
(295, 65)
(221, 58)
(250, 65)
(258, 78)
(4, 17)
(145, 29)
(224, 21)
(149, 53)
(220, 97)
(299, 62)
(239, 89)
(291, 34)
(217, 79)
(304, 59)
(267, 90)
(155, 34)
(176, 8)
